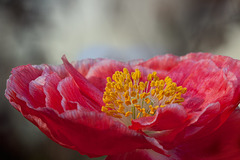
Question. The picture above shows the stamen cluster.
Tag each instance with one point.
(125, 95)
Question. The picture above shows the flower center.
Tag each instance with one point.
(126, 96)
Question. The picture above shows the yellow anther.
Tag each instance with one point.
(174, 85)
(149, 77)
(127, 102)
(143, 110)
(134, 101)
(119, 102)
(157, 91)
(135, 86)
(179, 100)
(168, 80)
(130, 85)
(160, 97)
(134, 77)
(109, 80)
(117, 116)
(137, 106)
(112, 111)
(151, 112)
(153, 91)
(143, 95)
(155, 77)
(126, 87)
(156, 83)
(154, 74)
(167, 102)
(121, 109)
(144, 113)
(138, 74)
(109, 85)
(152, 109)
(111, 106)
(161, 82)
(152, 84)
(142, 86)
(125, 71)
(104, 109)
(112, 94)
(133, 94)
(138, 115)
(147, 100)
(184, 90)
(179, 88)
(128, 113)
(126, 94)
(113, 84)
(156, 107)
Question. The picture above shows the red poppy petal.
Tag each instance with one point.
(105, 135)
(53, 97)
(70, 92)
(19, 81)
(196, 56)
(139, 154)
(85, 65)
(161, 63)
(84, 85)
(59, 69)
(106, 68)
(71, 128)
(135, 62)
(230, 67)
(169, 117)
(180, 72)
(211, 125)
(36, 90)
(202, 81)
(222, 144)
(210, 112)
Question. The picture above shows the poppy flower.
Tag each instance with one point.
(128, 110)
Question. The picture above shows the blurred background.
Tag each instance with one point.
(38, 32)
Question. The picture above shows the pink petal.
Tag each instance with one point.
(36, 90)
(161, 62)
(106, 68)
(85, 65)
(169, 117)
(196, 56)
(84, 85)
(210, 112)
(53, 97)
(70, 129)
(18, 83)
(139, 154)
(70, 93)
(222, 144)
